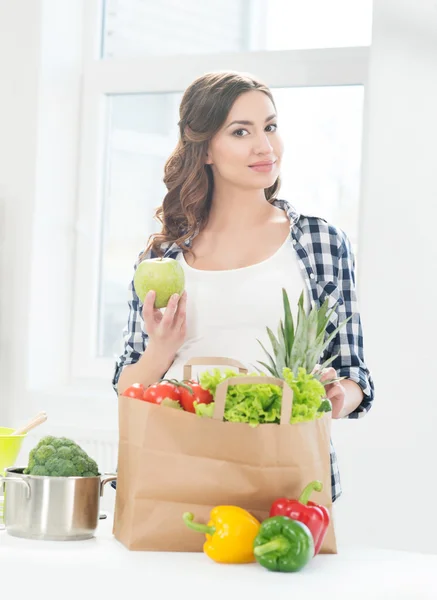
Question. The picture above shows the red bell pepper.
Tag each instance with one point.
(314, 516)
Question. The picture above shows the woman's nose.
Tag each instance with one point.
(263, 145)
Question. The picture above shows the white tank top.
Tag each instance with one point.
(228, 311)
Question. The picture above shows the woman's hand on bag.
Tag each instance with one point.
(166, 330)
(334, 391)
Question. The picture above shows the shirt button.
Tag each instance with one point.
(294, 242)
(311, 275)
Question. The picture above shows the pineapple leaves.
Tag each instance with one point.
(298, 350)
(336, 330)
(322, 319)
(303, 344)
(311, 341)
(282, 339)
(278, 351)
(325, 364)
(272, 369)
(288, 326)
(269, 369)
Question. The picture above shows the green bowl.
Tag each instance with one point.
(10, 446)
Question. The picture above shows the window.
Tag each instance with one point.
(142, 134)
(129, 128)
(135, 28)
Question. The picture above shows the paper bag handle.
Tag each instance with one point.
(222, 388)
(211, 360)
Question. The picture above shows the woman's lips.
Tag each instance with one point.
(263, 167)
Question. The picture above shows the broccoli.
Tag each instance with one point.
(60, 457)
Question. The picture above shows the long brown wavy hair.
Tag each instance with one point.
(203, 110)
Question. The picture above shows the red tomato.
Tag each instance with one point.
(199, 395)
(136, 390)
(157, 392)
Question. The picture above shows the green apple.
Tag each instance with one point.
(163, 275)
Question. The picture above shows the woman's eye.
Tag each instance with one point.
(240, 132)
(275, 127)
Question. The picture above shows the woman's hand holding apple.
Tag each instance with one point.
(166, 330)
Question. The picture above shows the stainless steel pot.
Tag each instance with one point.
(52, 508)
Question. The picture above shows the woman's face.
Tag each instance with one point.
(247, 150)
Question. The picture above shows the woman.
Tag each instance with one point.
(239, 246)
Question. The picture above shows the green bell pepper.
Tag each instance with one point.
(283, 544)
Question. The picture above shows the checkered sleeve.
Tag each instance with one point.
(135, 337)
(348, 343)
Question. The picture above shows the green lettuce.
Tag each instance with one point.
(308, 395)
(245, 403)
(261, 403)
(171, 403)
(204, 410)
(209, 380)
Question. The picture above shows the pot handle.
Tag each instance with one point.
(106, 480)
(5, 480)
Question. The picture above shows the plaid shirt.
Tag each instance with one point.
(326, 257)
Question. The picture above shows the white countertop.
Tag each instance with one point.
(37, 569)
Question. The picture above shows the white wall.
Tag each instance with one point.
(385, 471)
(19, 82)
(41, 66)
(389, 458)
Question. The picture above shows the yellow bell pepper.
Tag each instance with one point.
(230, 534)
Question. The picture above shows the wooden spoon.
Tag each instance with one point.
(37, 420)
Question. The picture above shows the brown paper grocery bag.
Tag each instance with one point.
(171, 461)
